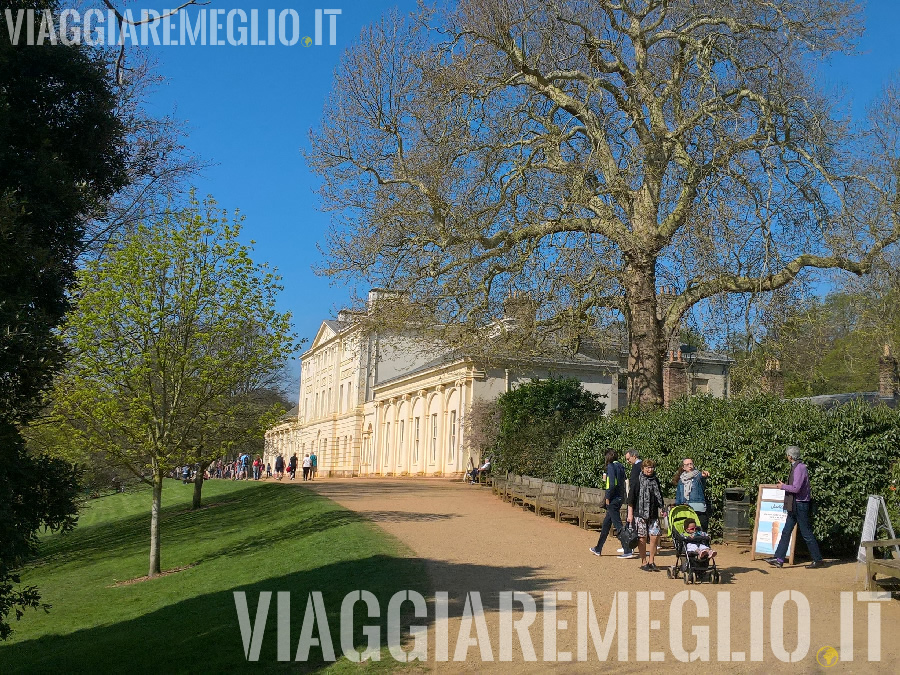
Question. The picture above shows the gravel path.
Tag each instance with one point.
(472, 541)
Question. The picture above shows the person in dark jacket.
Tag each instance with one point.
(645, 506)
(632, 457)
(615, 495)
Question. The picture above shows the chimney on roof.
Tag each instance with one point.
(887, 375)
(379, 296)
(521, 309)
(675, 380)
(773, 378)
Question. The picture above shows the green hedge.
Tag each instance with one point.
(852, 452)
(534, 419)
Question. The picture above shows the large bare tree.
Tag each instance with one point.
(586, 153)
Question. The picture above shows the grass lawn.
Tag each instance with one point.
(249, 537)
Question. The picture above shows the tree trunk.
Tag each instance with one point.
(646, 347)
(154, 522)
(198, 484)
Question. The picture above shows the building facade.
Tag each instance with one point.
(376, 405)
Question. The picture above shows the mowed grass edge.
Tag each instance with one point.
(249, 537)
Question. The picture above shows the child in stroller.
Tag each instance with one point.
(694, 558)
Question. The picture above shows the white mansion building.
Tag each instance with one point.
(372, 404)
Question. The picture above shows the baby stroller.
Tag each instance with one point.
(691, 566)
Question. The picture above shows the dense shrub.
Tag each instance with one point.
(535, 417)
(852, 452)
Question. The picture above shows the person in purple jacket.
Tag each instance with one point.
(798, 512)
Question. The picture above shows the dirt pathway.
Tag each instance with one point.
(471, 541)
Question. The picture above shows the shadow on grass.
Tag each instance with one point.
(238, 511)
(202, 634)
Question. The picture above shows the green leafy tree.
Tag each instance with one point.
(829, 345)
(534, 418)
(588, 152)
(60, 158)
(173, 332)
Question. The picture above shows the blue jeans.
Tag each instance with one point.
(612, 518)
(799, 517)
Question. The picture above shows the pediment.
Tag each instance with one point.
(325, 334)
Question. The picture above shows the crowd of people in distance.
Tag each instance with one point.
(309, 466)
(245, 467)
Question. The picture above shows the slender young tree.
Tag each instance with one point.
(587, 153)
(171, 331)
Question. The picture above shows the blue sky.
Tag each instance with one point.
(249, 111)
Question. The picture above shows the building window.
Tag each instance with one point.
(328, 406)
(341, 399)
(701, 386)
(416, 443)
(316, 412)
(433, 438)
(387, 441)
(400, 441)
(452, 434)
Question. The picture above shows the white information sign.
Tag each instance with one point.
(770, 523)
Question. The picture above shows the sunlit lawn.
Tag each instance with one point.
(250, 536)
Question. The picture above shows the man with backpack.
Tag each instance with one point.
(615, 496)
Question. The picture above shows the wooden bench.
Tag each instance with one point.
(876, 566)
(593, 506)
(498, 485)
(546, 501)
(517, 494)
(531, 492)
(568, 504)
(511, 484)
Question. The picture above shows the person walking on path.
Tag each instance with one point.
(307, 467)
(797, 504)
(279, 467)
(633, 457)
(690, 489)
(292, 467)
(315, 465)
(645, 506)
(615, 495)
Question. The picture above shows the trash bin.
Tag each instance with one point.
(738, 528)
